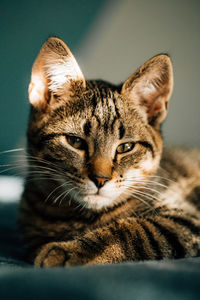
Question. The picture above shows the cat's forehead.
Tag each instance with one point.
(104, 103)
(100, 109)
(104, 100)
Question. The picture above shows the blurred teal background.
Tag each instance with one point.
(110, 39)
(24, 26)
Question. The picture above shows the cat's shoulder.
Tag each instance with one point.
(182, 152)
(185, 158)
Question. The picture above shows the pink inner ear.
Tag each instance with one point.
(157, 107)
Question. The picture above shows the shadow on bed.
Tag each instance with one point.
(11, 246)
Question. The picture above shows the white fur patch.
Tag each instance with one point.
(97, 202)
(147, 164)
(61, 71)
(107, 196)
(148, 88)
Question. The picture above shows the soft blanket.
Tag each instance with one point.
(170, 280)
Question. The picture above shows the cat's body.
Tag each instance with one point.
(99, 188)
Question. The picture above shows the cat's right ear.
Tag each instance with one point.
(54, 71)
(150, 87)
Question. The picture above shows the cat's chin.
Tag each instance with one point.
(98, 202)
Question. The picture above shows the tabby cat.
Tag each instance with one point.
(99, 187)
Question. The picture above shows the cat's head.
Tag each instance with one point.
(96, 139)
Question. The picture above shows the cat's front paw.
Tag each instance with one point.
(51, 255)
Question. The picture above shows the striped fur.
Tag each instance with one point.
(97, 204)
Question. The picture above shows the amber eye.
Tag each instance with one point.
(76, 142)
(126, 147)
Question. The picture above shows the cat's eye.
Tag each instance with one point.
(126, 147)
(76, 142)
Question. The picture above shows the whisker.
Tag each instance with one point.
(30, 159)
(46, 173)
(161, 177)
(59, 168)
(27, 170)
(29, 179)
(42, 168)
(155, 176)
(74, 188)
(12, 150)
(11, 169)
(79, 205)
(139, 198)
(147, 182)
(58, 187)
(57, 198)
(144, 188)
(83, 207)
(147, 195)
(19, 168)
(68, 191)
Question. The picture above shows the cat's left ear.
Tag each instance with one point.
(55, 72)
(150, 87)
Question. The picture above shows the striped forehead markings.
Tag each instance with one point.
(105, 98)
(87, 128)
(121, 131)
(102, 96)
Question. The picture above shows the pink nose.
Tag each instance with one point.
(99, 181)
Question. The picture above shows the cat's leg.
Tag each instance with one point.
(131, 239)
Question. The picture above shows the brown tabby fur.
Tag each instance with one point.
(94, 205)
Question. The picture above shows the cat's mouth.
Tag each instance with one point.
(97, 201)
(101, 199)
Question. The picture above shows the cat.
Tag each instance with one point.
(100, 188)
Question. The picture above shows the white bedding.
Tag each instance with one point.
(11, 188)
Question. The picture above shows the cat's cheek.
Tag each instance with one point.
(133, 174)
(149, 165)
(145, 167)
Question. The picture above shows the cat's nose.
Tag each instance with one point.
(99, 180)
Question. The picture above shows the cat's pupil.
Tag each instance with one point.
(125, 147)
(76, 142)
